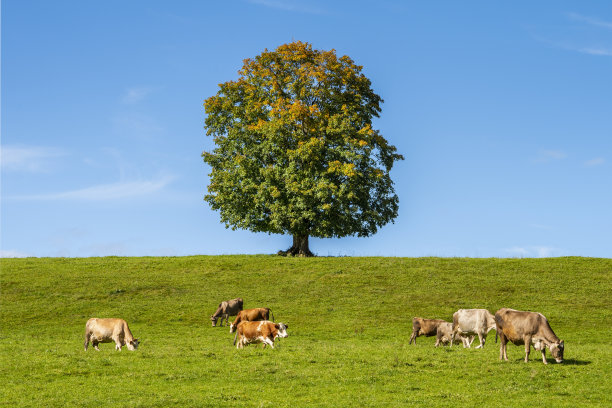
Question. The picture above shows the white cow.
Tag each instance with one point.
(445, 334)
(473, 321)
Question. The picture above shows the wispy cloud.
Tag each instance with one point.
(105, 192)
(544, 251)
(590, 20)
(606, 52)
(30, 159)
(546, 156)
(585, 38)
(135, 95)
(533, 251)
(10, 253)
(289, 6)
(598, 161)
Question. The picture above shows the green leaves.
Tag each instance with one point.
(295, 151)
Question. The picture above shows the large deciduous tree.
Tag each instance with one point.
(295, 152)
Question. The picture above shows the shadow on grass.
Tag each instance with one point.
(571, 361)
(551, 361)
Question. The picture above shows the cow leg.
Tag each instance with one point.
(438, 339)
(544, 355)
(470, 340)
(527, 348)
(502, 347)
(269, 342)
(481, 339)
(413, 337)
(118, 342)
(95, 345)
(86, 341)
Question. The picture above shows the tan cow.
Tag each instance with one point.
(473, 321)
(444, 335)
(528, 328)
(225, 310)
(109, 330)
(251, 315)
(259, 332)
(424, 327)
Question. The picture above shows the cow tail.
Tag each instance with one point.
(235, 337)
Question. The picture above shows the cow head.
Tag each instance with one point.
(133, 345)
(232, 327)
(213, 319)
(556, 350)
(282, 329)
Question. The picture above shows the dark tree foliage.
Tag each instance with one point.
(295, 152)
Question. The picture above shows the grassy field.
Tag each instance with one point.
(349, 324)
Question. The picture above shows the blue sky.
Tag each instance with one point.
(503, 111)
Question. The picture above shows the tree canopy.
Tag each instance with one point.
(295, 152)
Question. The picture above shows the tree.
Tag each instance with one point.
(295, 151)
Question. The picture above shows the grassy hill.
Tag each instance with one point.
(349, 324)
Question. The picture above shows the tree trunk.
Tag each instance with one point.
(299, 247)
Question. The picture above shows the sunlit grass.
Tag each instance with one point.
(349, 323)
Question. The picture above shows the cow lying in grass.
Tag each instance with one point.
(107, 331)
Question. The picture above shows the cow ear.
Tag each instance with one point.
(561, 344)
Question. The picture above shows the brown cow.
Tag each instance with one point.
(444, 335)
(259, 332)
(528, 328)
(251, 315)
(225, 310)
(109, 330)
(424, 327)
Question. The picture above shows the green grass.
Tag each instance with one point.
(349, 324)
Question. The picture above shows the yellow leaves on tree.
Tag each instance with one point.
(295, 151)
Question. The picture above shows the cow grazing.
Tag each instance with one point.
(109, 330)
(444, 335)
(473, 322)
(259, 332)
(225, 310)
(251, 315)
(424, 327)
(528, 328)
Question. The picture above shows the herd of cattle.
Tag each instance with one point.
(253, 326)
(518, 327)
(250, 325)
